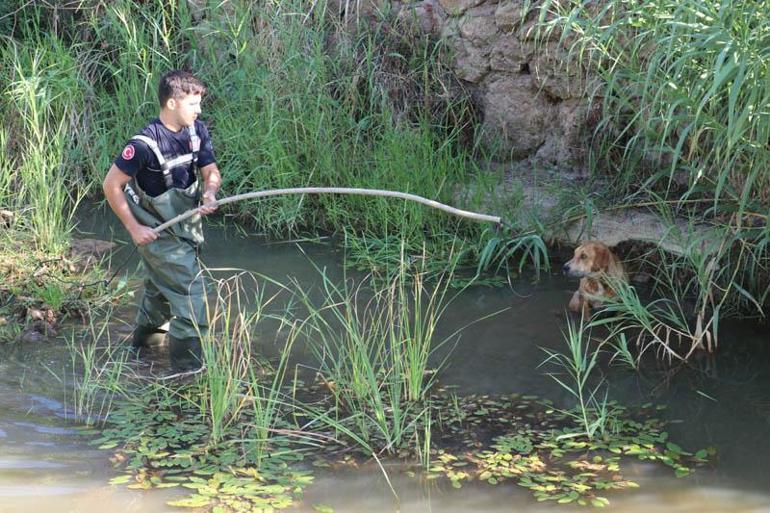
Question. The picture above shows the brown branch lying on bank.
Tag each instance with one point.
(338, 190)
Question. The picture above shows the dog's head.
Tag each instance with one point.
(590, 258)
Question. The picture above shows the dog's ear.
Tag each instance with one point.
(601, 259)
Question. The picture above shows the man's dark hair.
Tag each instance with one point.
(177, 84)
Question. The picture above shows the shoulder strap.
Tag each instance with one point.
(168, 180)
(166, 166)
(153, 146)
(195, 146)
(195, 143)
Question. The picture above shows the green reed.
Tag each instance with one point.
(41, 105)
(578, 367)
(227, 355)
(352, 350)
(7, 172)
(374, 350)
(683, 83)
(99, 371)
(268, 401)
(233, 378)
(526, 249)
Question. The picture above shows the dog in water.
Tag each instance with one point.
(597, 267)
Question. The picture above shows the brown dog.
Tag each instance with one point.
(597, 267)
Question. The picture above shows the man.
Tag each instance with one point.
(153, 180)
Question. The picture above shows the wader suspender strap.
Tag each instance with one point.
(168, 180)
(167, 166)
(195, 145)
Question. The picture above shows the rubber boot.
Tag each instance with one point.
(143, 335)
(184, 353)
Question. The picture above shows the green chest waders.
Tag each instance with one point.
(174, 286)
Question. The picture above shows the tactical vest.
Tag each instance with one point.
(154, 211)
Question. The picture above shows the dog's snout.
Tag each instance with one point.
(566, 268)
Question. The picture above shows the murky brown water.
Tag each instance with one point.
(45, 465)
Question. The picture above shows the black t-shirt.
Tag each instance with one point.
(138, 160)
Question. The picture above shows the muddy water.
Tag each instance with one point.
(45, 465)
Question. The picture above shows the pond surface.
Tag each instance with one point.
(45, 465)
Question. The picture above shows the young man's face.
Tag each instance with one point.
(186, 109)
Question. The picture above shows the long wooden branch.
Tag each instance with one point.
(337, 190)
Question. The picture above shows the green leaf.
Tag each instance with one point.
(167, 485)
(121, 479)
(195, 501)
(144, 485)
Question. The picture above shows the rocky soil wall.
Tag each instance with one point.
(529, 88)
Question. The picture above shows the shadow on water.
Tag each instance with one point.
(722, 401)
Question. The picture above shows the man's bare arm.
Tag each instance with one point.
(212, 179)
(113, 191)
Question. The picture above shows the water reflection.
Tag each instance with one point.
(366, 490)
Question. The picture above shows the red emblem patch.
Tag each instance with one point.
(128, 152)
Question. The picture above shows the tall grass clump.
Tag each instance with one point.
(412, 336)
(374, 349)
(526, 249)
(685, 85)
(7, 172)
(234, 379)
(99, 371)
(227, 355)
(39, 113)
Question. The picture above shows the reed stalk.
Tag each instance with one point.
(577, 375)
